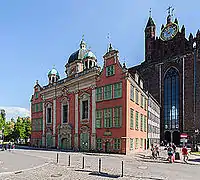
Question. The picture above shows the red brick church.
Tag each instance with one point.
(171, 74)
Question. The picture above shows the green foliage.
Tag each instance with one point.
(21, 129)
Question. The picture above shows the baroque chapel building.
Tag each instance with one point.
(92, 108)
(171, 75)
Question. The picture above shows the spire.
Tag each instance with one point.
(82, 44)
(110, 48)
(150, 20)
(190, 37)
(36, 82)
(183, 29)
(170, 14)
(176, 21)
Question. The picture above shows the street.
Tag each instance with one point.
(139, 166)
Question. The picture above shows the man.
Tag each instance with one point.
(174, 147)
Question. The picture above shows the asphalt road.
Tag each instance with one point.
(16, 160)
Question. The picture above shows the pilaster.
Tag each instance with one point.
(76, 122)
(93, 139)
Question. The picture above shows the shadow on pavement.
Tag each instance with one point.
(104, 174)
(96, 173)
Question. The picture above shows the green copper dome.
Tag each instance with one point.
(89, 54)
(53, 72)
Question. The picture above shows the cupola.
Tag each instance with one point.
(53, 75)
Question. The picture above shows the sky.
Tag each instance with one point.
(35, 35)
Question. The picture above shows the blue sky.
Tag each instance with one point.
(37, 34)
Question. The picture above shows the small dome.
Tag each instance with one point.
(89, 54)
(78, 55)
(53, 72)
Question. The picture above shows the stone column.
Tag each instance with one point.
(54, 123)
(76, 122)
(93, 138)
(43, 125)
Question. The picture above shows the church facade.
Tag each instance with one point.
(171, 75)
(92, 108)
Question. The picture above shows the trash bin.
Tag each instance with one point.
(177, 156)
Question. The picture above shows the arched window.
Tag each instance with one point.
(171, 99)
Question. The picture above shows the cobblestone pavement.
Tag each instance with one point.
(137, 167)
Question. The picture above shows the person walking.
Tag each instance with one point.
(157, 150)
(185, 154)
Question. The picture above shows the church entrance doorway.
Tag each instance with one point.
(107, 146)
(84, 141)
(168, 136)
(176, 137)
(66, 143)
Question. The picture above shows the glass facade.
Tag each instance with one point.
(171, 99)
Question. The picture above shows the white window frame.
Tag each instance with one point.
(49, 106)
(84, 97)
(65, 101)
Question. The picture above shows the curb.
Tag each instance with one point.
(23, 170)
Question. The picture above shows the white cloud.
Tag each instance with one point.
(14, 112)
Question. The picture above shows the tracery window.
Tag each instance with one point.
(171, 99)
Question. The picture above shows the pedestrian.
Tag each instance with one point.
(185, 153)
(153, 151)
(157, 150)
(9, 146)
(174, 147)
(170, 153)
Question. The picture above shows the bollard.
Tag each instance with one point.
(83, 162)
(99, 165)
(69, 161)
(57, 157)
(122, 169)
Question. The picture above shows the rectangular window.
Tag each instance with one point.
(36, 108)
(141, 122)
(108, 118)
(136, 121)
(36, 95)
(117, 116)
(132, 119)
(33, 108)
(117, 143)
(132, 92)
(99, 94)
(85, 109)
(48, 115)
(131, 143)
(98, 118)
(41, 106)
(137, 96)
(142, 105)
(110, 70)
(145, 103)
(108, 92)
(118, 90)
(65, 113)
(141, 143)
(99, 144)
(145, 123)
(136, 143)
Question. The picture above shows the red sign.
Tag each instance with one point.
(184, 136)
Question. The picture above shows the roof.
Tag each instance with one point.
(150, 22)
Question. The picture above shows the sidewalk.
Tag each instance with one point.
(193, 159)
